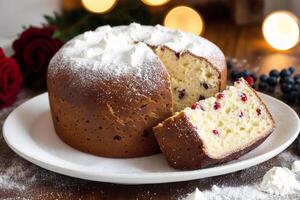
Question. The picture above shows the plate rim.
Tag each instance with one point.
(125, 178)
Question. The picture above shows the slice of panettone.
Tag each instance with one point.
(215, 130)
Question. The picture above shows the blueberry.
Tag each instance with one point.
(254, 76)
(292, 69)
(296, 87)
(285, 87)
(262, 85)
(287, 79)
(274, 73)
(297, 76)
(292, 97)
(285, 73)
(235, 75)
(297, 81)
(245, 73)
(263, 77)
(272, 81)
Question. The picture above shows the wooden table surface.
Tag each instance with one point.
(20, 179)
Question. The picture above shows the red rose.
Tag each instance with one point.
(33, 50)
(10, 80)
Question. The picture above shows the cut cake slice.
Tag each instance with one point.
(215, 130)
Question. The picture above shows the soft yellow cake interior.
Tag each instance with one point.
(192, 78)
(236, 121)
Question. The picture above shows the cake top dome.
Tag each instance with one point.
(124, 50)
(127, 45)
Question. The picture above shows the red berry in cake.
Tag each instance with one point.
(217, 105)
(250, 80)
(220, 95)
(258, 111)
(241, 114)
(197, 106)
(181, 93)
(215, 132)
(244, 97)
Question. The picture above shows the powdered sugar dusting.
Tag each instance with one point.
(279, 181)
(235, 193)
(118, 51)
(15, 173)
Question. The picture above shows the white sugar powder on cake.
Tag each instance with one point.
(121, 50)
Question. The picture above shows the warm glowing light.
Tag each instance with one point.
(185, 19)
(281, 30)
(99, 6)
(155, 2)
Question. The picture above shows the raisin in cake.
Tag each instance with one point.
(109, 87)
(215, 130)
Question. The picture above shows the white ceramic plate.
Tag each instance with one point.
(28, 130)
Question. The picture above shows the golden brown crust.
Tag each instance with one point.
(183, 148)
(107, 118)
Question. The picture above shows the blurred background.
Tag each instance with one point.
(243, 29)
(75, 16)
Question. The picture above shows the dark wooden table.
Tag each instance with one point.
(20, 179)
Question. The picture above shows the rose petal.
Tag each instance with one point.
(10, 81)
(33, 50)
(27, 37)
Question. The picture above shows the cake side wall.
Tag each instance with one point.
(107, 118)
(180, 143)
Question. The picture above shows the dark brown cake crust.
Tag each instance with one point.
(107, 117)
(189, 153)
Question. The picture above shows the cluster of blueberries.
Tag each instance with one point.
(288, 81)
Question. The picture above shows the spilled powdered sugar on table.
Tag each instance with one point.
(20, 179)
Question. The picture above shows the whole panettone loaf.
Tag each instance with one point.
(109, 87)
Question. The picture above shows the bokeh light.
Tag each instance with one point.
(155, 2)
(99, 6)
(185, 19)
(281, 30)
